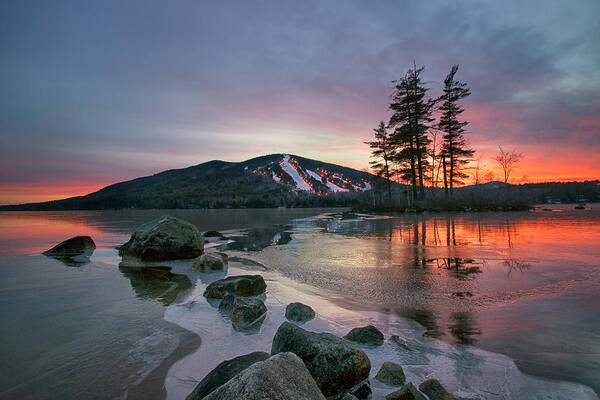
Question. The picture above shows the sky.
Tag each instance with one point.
(95, 92)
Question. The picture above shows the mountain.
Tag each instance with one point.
(267, 181)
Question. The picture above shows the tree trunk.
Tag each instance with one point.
(445, 176)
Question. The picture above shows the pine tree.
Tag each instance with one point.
(411, 119)
(383, 153)
(455, 152)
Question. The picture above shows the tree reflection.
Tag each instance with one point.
(463, 328)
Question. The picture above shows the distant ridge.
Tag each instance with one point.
(273, 180)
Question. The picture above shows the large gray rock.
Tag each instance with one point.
(75, 246)
(407, 392)
(336, 364)
(166, 238)
(242, 311)
(281, 377)
(242, 285)
(366, 335)
(391, 374)
(299, 312)
(211, 262)
(224, 372)
(435, 391)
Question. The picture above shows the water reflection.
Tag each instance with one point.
(75, 260)
(464, 328)
(460, 268)
(156, 282)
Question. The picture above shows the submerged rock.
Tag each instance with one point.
(349, 396)
(400, 342)
(212, 234)
(281, 377)
(224, 372)
(242, 312)
(299, 312)
(73, 247)
(336, 364)
(391, 374)
(165, 238)
(435, 391)
(366, 335)
(156, 282)
(407, 392)
(242, 285)
(211, 262)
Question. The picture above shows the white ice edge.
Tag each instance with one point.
(465, 370)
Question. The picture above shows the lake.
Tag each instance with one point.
(481, 299)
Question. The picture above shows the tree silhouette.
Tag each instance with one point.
(508, 161)
(411, 119)
(383, 153)
(455, 152)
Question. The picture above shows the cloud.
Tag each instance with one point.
(98, 92)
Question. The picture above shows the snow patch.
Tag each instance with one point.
(291, 171)
(335, 188)
(314, 175)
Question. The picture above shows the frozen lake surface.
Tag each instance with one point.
(494, 305)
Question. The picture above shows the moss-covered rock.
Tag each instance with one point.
(223, 372)
(281, 377)
(165, 238)
(242, 285)
(435, 391)
(366, 335)
(407, 392)
(391, 374)
(299, 312)
(211, 262)
(242, 312)
(335, 364)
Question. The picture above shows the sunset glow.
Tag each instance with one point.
(89, 101)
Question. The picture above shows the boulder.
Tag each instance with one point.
(299, 312)
(407, 392)
(224, 372)
(242, 312)
(211, 262)
(281, 377)
(391, 374)
(241, 285)
(336, 364)
(366, 335)
(166, 238)
(435, 391)
(75, 246)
